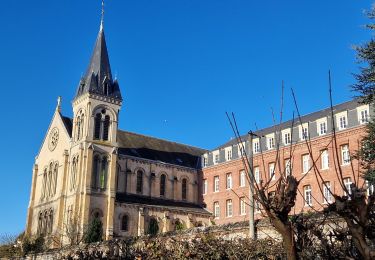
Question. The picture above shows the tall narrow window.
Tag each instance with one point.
(95, 172)
(322, 128)
(139, 181)
(324, 159)
(364, 116)
(78, 126)
(73, 174)
(82, 123)
(97, 126)
(256, 147)
(271, 142)
(305, 133)
(106, 128)
(271, 168)
(125, 223)
(49, 180)
(103, 173)
(229, 180)
(242, 206)
(216, 158)
(287, 139)
(55, 172)
(216, 183)
(327, 192)
(308, 195)
(345, 154)
(342, 122)
(257, 174)
(305, 163)
(184, 189)
(162, 185)
(50, 222)
(44, 184)
(229, 154)
(216, 209)
(205, 186)
(229, 209)
(242, 178)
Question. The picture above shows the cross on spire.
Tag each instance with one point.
(102, 19)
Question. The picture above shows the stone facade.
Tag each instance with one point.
(87, 168)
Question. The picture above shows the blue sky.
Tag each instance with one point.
(181, 64)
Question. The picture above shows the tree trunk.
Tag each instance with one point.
(360, 240)
(286, 232)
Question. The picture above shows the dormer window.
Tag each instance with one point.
(342, 120)
(101, 125)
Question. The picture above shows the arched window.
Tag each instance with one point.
(99, 172)
(45, 222)
(184, 189)
(50, 222)
(55, 171)
(78, 126)
(40, 223)
(97, 126)
(162, 185)
(102, 124)
(95, 172)
(73, 173)
(82, 123)
(44, 183)
(103, 173)
(139, 181)
(49, 181)
(106, 128)
(125, 223)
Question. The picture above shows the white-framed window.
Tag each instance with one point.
(216, 183)
(271, 169)
(324, 158)
(288, 167)
(345, 156)
(270, 142)
(242, 178)
(287, 138)
(205, 186)
(216, 158)
(242, 206)
(257, 174)
(370, 189)
(305, 163)
(229, 209)
(322, 128)
(304, 133)
(228, 154)
(216, 209)
(307, 195)
(229, 181)
(342, 122)
(256, 147)
(205, 161)
(363, 116)
(348, 184)
(327, 192)
(241, 149)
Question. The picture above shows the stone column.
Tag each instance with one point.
(141, 222)
(30, 210)
(87, 188)
(111, 195)
(62, 199)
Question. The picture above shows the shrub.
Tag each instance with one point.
(94, 231)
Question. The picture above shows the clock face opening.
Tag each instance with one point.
(53, 139)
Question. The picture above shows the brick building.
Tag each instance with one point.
(225, 183)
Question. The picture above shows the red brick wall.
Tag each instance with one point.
(350, 137)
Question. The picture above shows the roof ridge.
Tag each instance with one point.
(161, 139)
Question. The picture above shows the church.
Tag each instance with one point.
(87, 168)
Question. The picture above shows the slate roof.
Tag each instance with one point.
(349, 105)
(151, 148)
(146, 200)
(98, 77)
(68, 123)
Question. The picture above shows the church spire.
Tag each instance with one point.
(98, 77)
